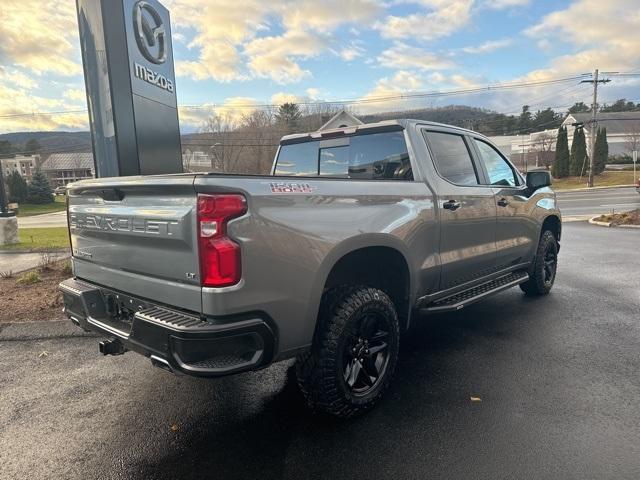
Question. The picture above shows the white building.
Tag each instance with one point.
(63, 168)
(25, 165)
(623, 129)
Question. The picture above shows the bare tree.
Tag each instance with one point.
(261, 131)
(632, 142)
(222, 144)
(543, 145)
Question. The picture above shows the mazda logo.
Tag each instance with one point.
(150, 32)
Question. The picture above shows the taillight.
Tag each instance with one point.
(220, 264)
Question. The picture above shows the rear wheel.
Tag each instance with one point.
(543, 272)
(354, 353)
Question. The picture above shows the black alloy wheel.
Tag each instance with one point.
(366, 355)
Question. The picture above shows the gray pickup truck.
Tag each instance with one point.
(328, 259)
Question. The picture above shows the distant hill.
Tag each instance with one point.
(52, 142)
(479, 119)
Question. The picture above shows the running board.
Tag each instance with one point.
(460, 300)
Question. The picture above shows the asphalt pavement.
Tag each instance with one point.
(598, 201)
(580, 204)
(557, 378)
(56, 219)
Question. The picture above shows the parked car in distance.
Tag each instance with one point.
(329, 259)
(61, 190)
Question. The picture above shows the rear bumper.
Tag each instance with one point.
(176, 341)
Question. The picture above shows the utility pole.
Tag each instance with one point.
(594, 121)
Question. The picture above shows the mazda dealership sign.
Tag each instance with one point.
(133, 108)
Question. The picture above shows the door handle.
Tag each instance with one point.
(451, 205)
(503, 202)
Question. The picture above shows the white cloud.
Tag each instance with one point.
(352, 51)
(275, 57)
(221, 27)
(229, 36)
(282, 97)
(313, 93)
(440, 19)
(403, 56)
(488, 47)
(232, 110)
(40, 36)
(76, 94)
(326, 15)
(606, 35)
(18, 104)
(378, 98)
(501, 4)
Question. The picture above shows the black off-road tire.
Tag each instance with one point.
(543, 271)
(320, 370)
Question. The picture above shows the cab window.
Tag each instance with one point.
(499, 171)
(451, 157)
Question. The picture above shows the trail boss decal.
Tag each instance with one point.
(291, 187)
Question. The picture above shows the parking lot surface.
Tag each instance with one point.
(557, 378)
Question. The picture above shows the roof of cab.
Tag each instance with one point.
(383, 126)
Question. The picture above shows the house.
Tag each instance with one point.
(341, 119)
(25, 165)
(63, 168)
(196, 160)
(623, 130)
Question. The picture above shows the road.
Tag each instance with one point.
(557, 376)
(595, 202)
(57, 219)
(581, 204)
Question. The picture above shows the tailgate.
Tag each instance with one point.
(138, 235)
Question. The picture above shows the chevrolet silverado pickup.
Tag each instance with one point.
(356, 234)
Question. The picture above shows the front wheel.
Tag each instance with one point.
(354, 354)
(543, 272)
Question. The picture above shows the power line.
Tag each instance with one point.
(361, 101)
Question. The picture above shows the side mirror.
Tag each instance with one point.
(538, 179)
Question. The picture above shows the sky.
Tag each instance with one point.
(232, 55)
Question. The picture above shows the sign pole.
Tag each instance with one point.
(635, 160)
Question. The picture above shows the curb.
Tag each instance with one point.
(18, 252)
(593, 221)
(588, 189)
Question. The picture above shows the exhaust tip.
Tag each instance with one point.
(161, 363)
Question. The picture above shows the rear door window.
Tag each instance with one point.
(452, 158)
(376, 156)
(298, 159)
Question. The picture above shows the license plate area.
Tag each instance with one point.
(120, 310)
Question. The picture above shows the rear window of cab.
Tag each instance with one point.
(374, 156)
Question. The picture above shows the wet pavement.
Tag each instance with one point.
(558, 378)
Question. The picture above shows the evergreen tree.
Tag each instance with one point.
(39, 190)
(579, 107)
(578, 159)
(6, 149)
(525, 120)
(288, 117)
(546, 119)
(32, 146)
(17, 187)
(601, 152)
(560, 168)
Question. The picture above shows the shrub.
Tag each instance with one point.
(66, 268)
(29, 278)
